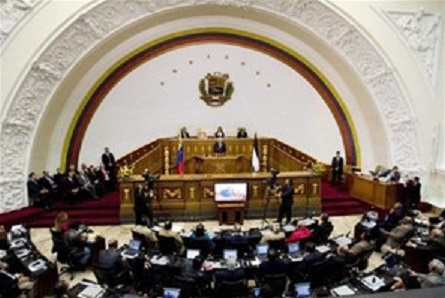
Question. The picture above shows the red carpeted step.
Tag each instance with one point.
(336, 201)
(87, 220)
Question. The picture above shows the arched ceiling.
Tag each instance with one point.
(68, 58)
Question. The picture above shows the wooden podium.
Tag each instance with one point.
(230, 213)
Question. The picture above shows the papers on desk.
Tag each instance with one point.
(156, 228)
(256, 262)
(91, 291)
(288, 228)
(322, 249)
(2, 253)
(186, 234)
(156, 260)
(373, 282)
(343, 291)
(343, 240)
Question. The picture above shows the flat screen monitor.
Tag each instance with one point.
(228, 253)
(303, 290)
(171, 293)
(192, 253)
(135, 244)
(230, 192)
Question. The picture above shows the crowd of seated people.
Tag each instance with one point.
(88, 182)
(313, 265)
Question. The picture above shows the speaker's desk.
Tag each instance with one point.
(191, 197)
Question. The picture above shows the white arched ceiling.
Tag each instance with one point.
(60, 60)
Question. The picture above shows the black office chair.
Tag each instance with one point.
(167, 245)
(278, 245)
(205, 246)
(316, 274)
(105, 277)
(187, 285)
(65, 255)
(364, 259)
(276, 283)
(231, 289)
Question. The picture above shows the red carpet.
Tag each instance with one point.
(104, 211)
(335, 201)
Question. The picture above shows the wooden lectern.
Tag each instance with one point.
(230, 213)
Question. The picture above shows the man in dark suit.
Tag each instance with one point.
(337, 168)
(311, 256)
(111, 261)
(242, 133)
(287, 202)
(109, 163)
(219, 132)
(273, 266)
(231, 274)
(219, 147)
(36, 193)
(184, 133)
(141, 204)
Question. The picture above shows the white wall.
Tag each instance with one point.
(427, 102)
(140, 109)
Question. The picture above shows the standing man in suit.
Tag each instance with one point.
(109, 163)
(337, 168)
(287, 201)
(141, 204)
(220, 133)
(220, 147)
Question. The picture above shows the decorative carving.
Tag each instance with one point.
(314, 189)
(100, 21)
(172, 194)
(420, 30)
(299, 189)
(12, 12)
(207, 193)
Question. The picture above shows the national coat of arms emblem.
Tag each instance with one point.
(216, 89)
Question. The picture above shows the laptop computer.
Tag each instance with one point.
(171, 293)
(193, 253)
(227, 253)
(293, 250)
(303, 290)
(261, 251)
(133, 249)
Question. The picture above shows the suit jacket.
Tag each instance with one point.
(287, 195)
(219, 147)
(272, 267)
(360, 247)
(108, 159)
(185, 134)
(229, 275)
(140, 202)
(398, 234)
(110, 259)
(310, 260)
(431, 280)
(337, 164)
(33, 189)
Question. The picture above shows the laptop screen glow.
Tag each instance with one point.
(192, 253)
(171, 293)
(227, 253)
(302, 290)
(261, 249)
(293, 247)
(135, 244)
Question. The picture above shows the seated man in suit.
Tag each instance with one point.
(397, 236)
(219, 147)
(242, 133)
(273, 235)
(366, 243)
(11, 285)
(184, 133)
(79, 247)
(200, 234)
(323, 230)
(311, 256)
(413, 280)
(147, 233)
(273, 266)
(194, 273)
(435, 243)
(231, 274)
(167, 232)
(236, 238)
(111, 261)
(220, 133)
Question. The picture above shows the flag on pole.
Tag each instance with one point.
(255, 155)
(180, 157)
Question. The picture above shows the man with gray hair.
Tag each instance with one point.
(274, 234)
(414, 280)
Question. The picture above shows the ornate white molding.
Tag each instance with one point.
(11, 13)
(88, 29)
(420, 31)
